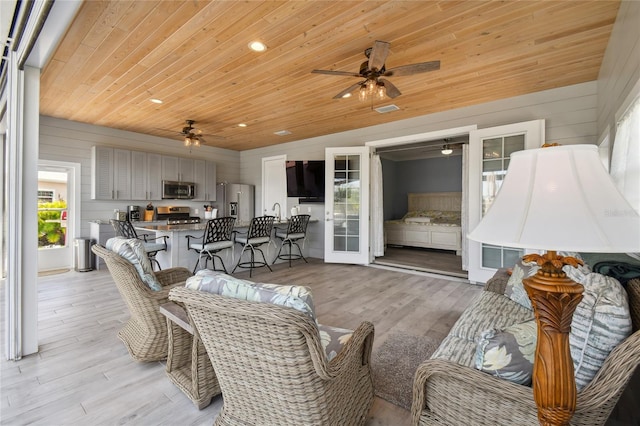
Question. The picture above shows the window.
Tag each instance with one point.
(625, 158)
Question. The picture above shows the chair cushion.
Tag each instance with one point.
(333, 339)
(292, 296)
(134, 252)
(253, 241)
(153, 247)
(509, 353)
(218, 245)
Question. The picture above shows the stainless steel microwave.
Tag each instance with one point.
(178, 190)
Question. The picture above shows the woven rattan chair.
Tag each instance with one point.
(272, 368)
(448, 393)
(217, 237)
(296, 231)
(145, 333)
(259, 233)
(152, 245)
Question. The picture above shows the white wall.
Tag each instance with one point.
(620, 69)
(569, 113)
(64, 140)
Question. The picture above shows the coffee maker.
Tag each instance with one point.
(134, 213)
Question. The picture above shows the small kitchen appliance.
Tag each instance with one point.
(133, 213)
(176, 215)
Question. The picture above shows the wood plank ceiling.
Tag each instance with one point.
(194, 56)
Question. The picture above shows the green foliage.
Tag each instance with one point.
(50, 230)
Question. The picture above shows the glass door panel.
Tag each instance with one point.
(346, 227)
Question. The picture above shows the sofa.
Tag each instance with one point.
(458, 386)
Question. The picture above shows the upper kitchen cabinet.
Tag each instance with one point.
(110, 173)
(177, 169)
(205, 179)
(146, 182)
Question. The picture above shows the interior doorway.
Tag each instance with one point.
(58, 215)
(422, 164)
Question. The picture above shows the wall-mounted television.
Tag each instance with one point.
(305, 180)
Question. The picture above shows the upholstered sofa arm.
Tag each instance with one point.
(454, 394)
(173, 275)
(498, 282)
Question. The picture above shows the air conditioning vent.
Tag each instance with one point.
(387, 108)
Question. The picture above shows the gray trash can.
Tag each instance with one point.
(83, 255)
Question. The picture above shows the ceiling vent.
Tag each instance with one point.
(387, 108)
(282, 132)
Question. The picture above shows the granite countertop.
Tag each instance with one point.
(190, 226)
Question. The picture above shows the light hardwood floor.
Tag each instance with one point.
(83, 375)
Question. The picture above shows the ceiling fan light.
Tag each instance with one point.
(362, 93)
(371, 86)
(196, 142)
(381, 92)
(187, 142)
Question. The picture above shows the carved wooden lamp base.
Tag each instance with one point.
(554, 298)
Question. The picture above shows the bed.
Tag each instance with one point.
(432, 221)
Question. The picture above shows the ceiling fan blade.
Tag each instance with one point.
(413, 68)
(348, 90)
(378, 55)
(391, 90)
(333, 72)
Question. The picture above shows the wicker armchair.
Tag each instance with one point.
(447, 393)
(272, 368)
(145, 334)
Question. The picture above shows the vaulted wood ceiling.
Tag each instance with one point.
(194, 56)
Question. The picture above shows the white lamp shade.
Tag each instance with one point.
(560, 198)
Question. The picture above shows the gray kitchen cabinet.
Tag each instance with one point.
(177, 169)
(110, 173)
(154, 176)
(205, 179)
(139, 175)
(146, 179)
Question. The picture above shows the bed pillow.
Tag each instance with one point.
(509, 353)
(418, 219)
(292, 296)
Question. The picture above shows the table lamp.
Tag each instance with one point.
(558, 198)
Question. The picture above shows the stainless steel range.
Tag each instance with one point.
(176, 215)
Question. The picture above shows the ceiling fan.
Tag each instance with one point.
(374, 69)
(193, 136)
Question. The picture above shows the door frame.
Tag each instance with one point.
(73, 211)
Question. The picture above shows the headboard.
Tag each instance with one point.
(445, 201)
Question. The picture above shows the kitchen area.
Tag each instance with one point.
(178, 220)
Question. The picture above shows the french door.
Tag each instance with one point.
(346, 230)
(489, 155)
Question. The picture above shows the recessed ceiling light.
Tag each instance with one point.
(242, 125)
(346, 95)
(257, 46)
(282, 132)
(156, 101)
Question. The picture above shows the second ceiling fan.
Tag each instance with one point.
(373, 70)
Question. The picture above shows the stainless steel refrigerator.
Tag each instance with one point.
(236, 200)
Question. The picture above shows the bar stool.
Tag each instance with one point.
(217, 237)
(259, 233)
(296, 230)
(125, 229)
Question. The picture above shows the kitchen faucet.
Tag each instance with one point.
(279, 211)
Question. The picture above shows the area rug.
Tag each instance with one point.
(394, 364)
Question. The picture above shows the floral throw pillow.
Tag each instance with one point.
(133, 251)
(509, 353)
(333, 339)
(515, 289)
(292, 296)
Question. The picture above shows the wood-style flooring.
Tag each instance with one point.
(422, 259)
(83, 375)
